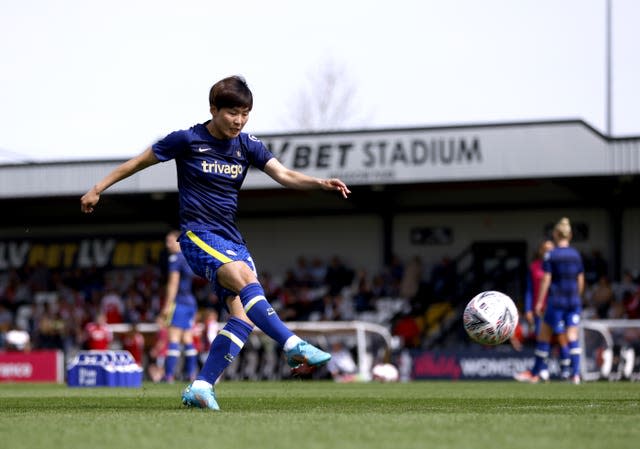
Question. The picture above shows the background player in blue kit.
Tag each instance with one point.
(212, 161)
(562, 285)
(179, 311)
(534, 280)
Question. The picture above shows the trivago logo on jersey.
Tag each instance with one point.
(231, 170)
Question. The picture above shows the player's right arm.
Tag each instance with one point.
(173, 283)
(297, 180)
(541, 301)
(580, 281)
(126, 169)
(528, 298)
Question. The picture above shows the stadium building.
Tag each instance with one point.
(480, 196)
(432, 192)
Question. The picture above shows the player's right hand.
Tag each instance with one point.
(530, 317)
(165, 316)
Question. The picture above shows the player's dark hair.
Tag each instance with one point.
(231, 92)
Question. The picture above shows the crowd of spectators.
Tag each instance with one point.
(608, 300)
(56, 309)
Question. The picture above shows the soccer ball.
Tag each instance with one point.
(385, 372)
(490, 318)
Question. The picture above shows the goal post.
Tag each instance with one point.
(611, 349)
(361, 332)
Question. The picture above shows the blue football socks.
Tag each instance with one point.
(565, 361)
(173, 353)
(262, 314)
(574, 353)
(190, 360)
(224, 348)
(542, 354)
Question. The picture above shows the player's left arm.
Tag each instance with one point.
(296, 180)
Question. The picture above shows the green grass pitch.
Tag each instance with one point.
(322, 414)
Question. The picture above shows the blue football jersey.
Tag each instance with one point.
(177, 263)
(210, 174)
(564, 264)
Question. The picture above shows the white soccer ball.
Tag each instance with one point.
(385, 372)
(490, 318)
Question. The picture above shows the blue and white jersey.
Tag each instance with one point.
(564, 264)
(177, 263)
(210, 174)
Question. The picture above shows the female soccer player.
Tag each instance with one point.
(559, 301)
(212, 161)
(179, 311)
(536, 273)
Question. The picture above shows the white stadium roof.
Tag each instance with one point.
(546, 149)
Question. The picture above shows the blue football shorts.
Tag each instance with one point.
(206, 252)
(560, 319)
(183, 315)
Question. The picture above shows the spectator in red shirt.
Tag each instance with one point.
(112, 306)
(98, 335)
(133, 341)
(408, 329)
